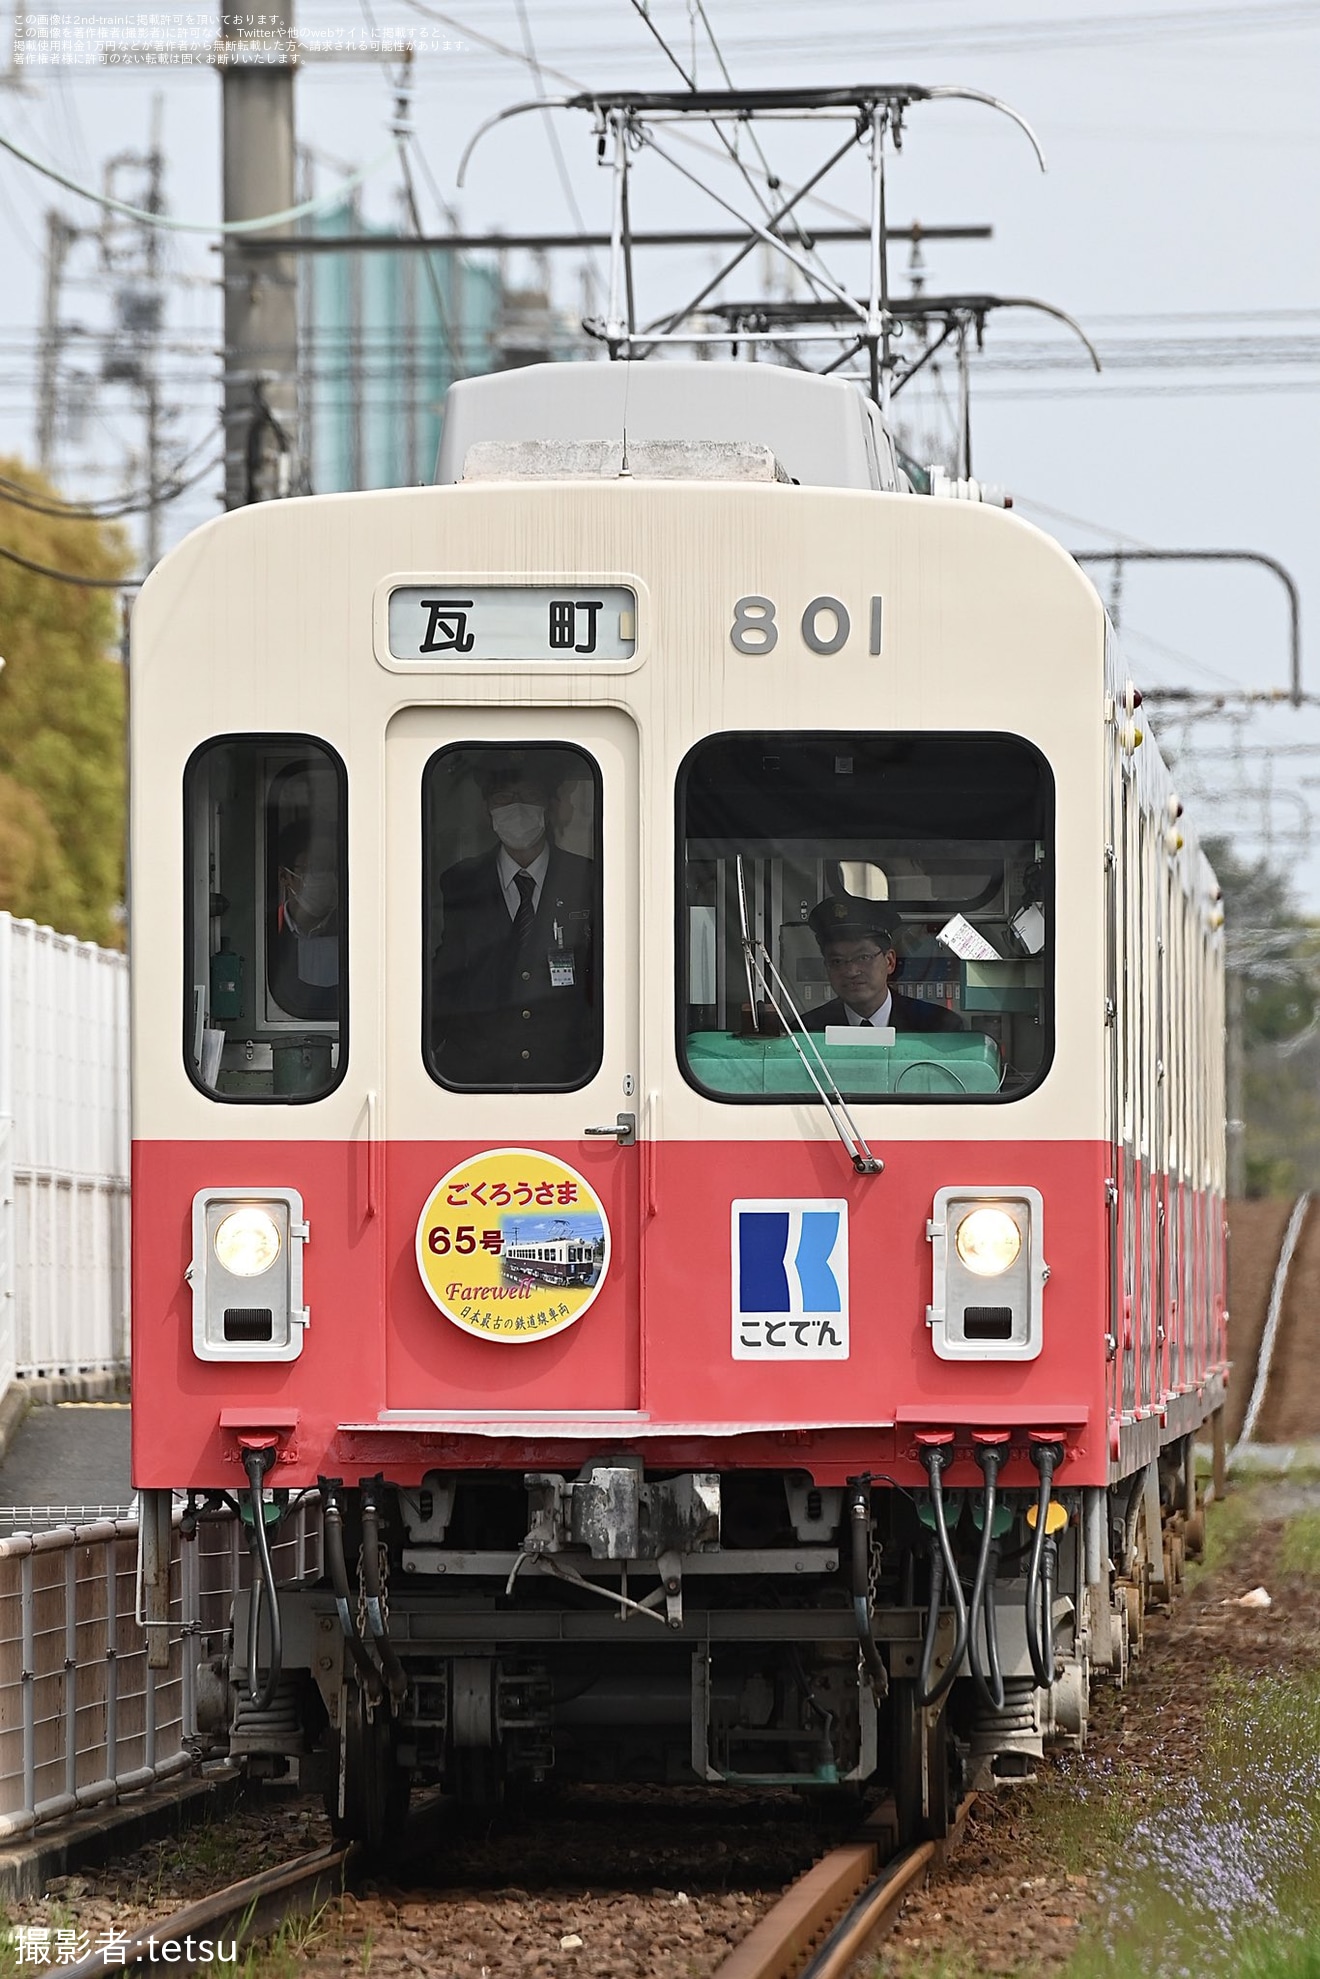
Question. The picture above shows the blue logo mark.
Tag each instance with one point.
(790, 1280)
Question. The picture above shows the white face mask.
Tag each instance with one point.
(316, 895)
(518, 825)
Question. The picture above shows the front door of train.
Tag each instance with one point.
(511, 1169)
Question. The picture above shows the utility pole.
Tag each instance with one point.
(132, 263)
(60, 236)
(261, 291)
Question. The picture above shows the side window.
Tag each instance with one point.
(265, 919)
(511, 862)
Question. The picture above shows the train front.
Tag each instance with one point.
(622, 1101)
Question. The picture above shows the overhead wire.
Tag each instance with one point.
(17, 496)
(642, 10)
(576, 84)
(147, 218)
(70, 577)
(557, 149)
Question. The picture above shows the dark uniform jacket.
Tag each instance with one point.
(909, 1013)
(499, 1015)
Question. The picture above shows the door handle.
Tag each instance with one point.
(624, 1130)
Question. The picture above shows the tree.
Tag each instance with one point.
(1276, 952)
(62, 715)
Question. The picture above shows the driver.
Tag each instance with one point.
(860, 957)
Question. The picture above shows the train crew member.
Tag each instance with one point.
(514, 976)
(304, 948)
(858, 947)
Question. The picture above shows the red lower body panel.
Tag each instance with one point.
(386, 1381)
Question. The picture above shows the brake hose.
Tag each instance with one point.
(256, 1462)
(395, 1674)
(1044, 1456)
(943, 1567)
(989, 1457)
(333, 1525)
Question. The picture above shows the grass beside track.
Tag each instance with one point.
(1194, 1824)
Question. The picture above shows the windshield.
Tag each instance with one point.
(897, 895)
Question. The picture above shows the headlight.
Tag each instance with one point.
(988, 1242)
(247, 1242)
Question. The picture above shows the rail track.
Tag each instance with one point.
(824, 1920)
(833, 1913)
(245, 1911)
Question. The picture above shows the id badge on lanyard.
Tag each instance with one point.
(560, 961)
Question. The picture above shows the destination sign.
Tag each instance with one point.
(478, 623)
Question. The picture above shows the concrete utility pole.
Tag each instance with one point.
(261, 291)
(60, 236)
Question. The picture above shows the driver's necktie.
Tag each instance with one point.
(526, 915)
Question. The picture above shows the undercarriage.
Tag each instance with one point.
(487, 1631)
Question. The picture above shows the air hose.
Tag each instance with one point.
(257, 1460)
(860, 1524)
(333, 1523)
(943, 1567)
(982, 1611)
(1041, 1569)
(395, 1675)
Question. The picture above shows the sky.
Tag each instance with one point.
(1174, 223)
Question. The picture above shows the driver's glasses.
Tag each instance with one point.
(857, 964)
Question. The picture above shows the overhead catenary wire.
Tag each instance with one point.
(556, 148)
(643, 11)
(145, 217)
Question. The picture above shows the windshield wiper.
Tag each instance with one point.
(757, 960)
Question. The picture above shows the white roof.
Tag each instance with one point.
(823, 431)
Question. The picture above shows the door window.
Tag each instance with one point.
(511, 911)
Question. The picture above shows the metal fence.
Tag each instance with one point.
(83, 1720)
(64, 1154)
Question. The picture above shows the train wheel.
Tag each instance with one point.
(922, 1795)
(375, 1785)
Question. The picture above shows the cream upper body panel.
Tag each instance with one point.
(272, 620)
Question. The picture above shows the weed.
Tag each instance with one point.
(1231, 1523)
(1299, 1552)
(1223, 1876)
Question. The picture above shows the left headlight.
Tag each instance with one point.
(988, 1242)
(247, 1242)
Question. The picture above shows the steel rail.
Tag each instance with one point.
(826, 1919)
(251, 1909)
(1274, 1313)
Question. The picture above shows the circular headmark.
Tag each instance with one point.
(513, 1245)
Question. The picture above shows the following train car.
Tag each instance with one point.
(671, 838)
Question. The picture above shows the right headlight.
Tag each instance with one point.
(988, 1242)
(247, 1241)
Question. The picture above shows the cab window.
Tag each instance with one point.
(511, 911)
(266, 919)
(873, 909)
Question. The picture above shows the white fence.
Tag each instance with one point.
(83, 1719)
(64, 1154)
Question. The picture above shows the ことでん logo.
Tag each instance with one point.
(790, 1280)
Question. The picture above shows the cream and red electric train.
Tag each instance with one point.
(678, 1078)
